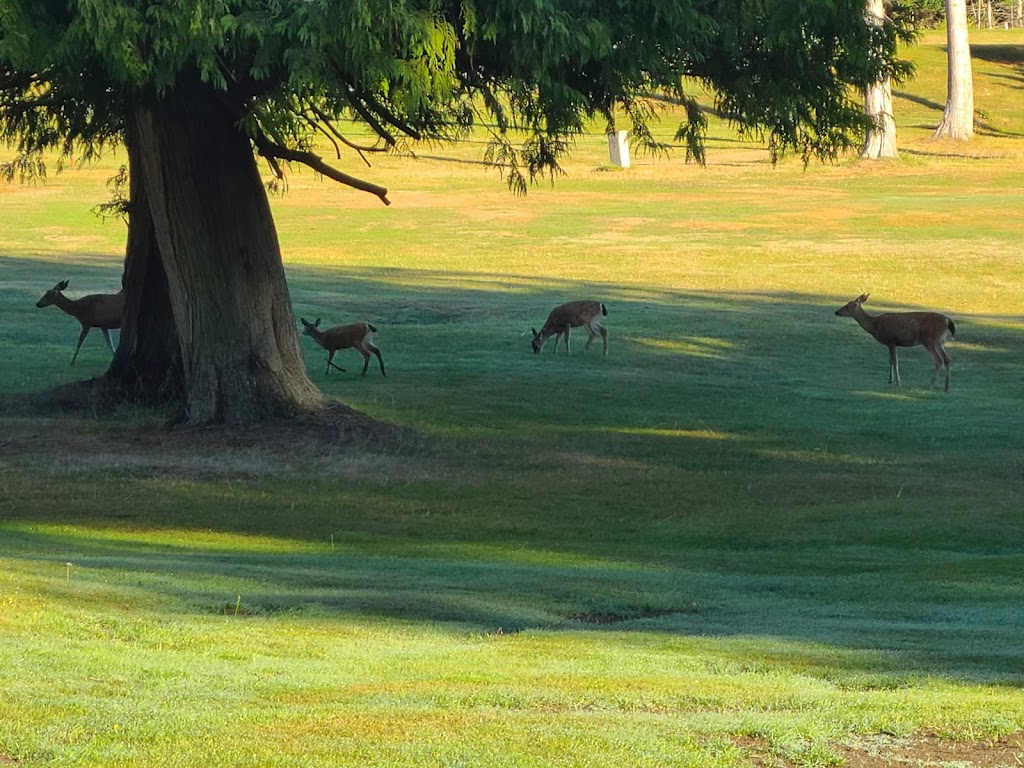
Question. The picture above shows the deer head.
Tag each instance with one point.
(50, 297)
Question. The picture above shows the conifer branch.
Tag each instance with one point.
(270, 149)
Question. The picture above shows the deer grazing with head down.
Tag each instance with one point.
(97, 310)
(905, 329)
(356, 335)
(565, 317)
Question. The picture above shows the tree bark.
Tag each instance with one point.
(147, 366)
(958, 116)
(241, 359)
(880, 141)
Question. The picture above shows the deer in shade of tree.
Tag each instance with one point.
(97, 310)
(358, 336)
(565, 317)
(905, 329)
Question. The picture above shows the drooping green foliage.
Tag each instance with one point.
(72, 71)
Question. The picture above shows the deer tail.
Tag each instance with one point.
(371, 327)
(952, 327)
(604, 309)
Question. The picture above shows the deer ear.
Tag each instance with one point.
(534, 331)
(862, 298)
(62, 285)
(303, 321)
(317, 323)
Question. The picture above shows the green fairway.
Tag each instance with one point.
(728, 543)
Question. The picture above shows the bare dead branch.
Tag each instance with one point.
(275, 167)
(358, 148)
(321, 128)
(268, 149)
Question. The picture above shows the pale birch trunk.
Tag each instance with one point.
(880, 141)
(958, 117)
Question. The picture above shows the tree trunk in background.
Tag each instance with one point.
(147, 365)
(958, 117)
(240, 351)
(880, 141)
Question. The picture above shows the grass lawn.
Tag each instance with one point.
(729, 543)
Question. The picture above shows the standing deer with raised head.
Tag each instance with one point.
(356, 335)
(565, 317)
(905, 329)
(97, 310)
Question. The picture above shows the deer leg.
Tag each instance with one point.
(604, 338)
(894, 367)
(592, 331)
(937, 364)
(81, 338)
(330, 364)
(558, 338)
(106, 335)
(366, 359)
(568, 330)
(941, 361)
(380, 358)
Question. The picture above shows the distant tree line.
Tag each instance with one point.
(988, 15)
(984, 14)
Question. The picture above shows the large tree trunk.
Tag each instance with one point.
(958, 117)
(239, 345)
(147, 366)
(880, 141)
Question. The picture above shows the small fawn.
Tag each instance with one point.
(356, 335)
(565, 317)
(905, 329)
(97, 310)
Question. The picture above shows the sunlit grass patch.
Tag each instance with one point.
(690, 434)
(101, 537)
(696, 347)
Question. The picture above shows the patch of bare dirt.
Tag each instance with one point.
(922, 751)
(334, 425)
(140, 441)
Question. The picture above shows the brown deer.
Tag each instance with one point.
(565, 317)
(905, 329)
(356, 335)
(97, 310)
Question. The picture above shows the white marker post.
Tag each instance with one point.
(618, 149)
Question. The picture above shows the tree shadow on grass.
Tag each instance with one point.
(982, 125)
(1000, 53)
(860, 627)
(712, 476)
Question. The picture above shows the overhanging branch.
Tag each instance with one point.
(271, 150)
(325, 125)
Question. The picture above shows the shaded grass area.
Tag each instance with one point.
(787, 547)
